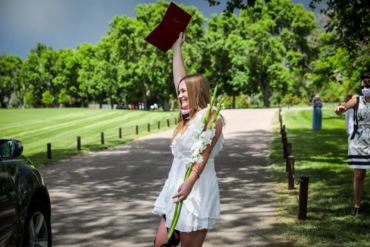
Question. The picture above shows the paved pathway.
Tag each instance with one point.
(106, 198)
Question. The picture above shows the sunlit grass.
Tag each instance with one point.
(322, 155)
(60, 127)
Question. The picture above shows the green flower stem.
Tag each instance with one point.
(178, 208)
(215, 117)
(210, 106)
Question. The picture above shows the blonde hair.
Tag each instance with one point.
(198, 97)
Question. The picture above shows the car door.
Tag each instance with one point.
(7, 204)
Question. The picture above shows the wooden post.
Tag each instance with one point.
(281, 125)
(120, 133)
(291, 172)
(303, 194)
(148, 127)
(49, 151)
(78, 143)
(285, 143)
(288, 153)
(102, 137)
(168, 122)
(283, 134)
(159, 124)
(137, 130)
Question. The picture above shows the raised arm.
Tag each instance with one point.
(178, 64)
(343, 108)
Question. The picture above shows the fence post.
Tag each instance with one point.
(137, 130)
(281, 124)
(102, 137)
(159, 124)
(285, 143)
(288, 153)
(283, 134)
(78, 143)
(291, 172)
(168, 122)
(303, 194)
(148, 127)
(49, 151)
(120, 133)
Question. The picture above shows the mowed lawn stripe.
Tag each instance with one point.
(54, 122)
(60, 127)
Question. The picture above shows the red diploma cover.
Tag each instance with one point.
(174, 21)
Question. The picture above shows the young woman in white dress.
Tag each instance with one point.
(200, 192)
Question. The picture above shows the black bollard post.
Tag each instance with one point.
(168, 122)
(49, 151)
(288, 153)
(102, 137)
(303, 194)
(159, 124)
(78, 143)
(291, 173)
(137, 130)
(148, 127)
(120, 133)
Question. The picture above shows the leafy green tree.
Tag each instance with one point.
(66, 74)
(30, 99)
(275, 40)
(10, 82)
(350, 20)
(63, 97)
(222, 43)
(47, 98)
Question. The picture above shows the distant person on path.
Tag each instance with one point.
(200, 192)
(317, 116)
(349, 116)
(359, 140)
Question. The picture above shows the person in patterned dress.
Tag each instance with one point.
(359, 139)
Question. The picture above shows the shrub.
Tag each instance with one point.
(47, 98)
(291, 99)
(228, 103)
(30, 98)
(63, 97)
(176, 103)
(243, 102)
(331, 97)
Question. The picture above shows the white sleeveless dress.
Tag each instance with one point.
(202, 207)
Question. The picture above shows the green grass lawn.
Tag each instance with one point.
(60, 127)
(322, 155)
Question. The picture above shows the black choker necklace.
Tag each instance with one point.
(188, 114)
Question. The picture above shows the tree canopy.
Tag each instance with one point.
(271, 49)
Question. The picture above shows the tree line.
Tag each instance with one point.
(273, 48)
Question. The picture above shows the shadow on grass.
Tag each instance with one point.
(322, 155)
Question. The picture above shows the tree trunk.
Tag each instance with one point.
(101, 101)
(266, 101)
(144, 99)
(111, 102)
(233, 100)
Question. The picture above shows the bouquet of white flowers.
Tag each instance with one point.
(201, 140)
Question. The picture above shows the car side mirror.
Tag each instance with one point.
(10, 148)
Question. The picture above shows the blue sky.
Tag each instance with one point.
(67, 23)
